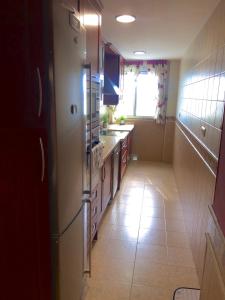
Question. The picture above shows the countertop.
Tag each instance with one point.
(110, 142)
(126, 127)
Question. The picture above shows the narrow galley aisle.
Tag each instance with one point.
(143, 251)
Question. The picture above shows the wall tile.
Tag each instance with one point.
(202, 85)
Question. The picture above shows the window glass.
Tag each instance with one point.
(140, 95)
(127, 104)
(147, 94)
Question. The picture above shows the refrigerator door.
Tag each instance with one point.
(70, 260)
(69, 55)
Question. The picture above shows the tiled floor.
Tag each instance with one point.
(142, 252)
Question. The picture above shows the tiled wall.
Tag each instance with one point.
(200, 104)
(151, 141)
(201, 100)
(196, 185)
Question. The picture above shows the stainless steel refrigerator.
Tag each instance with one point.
(68, 209)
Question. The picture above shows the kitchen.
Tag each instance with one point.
(95, 210)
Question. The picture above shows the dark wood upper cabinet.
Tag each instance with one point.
(111, 76)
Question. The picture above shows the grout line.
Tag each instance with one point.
(167, 251)
(135, 256)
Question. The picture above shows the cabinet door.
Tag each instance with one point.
(21, 55)
(92, 25)
(112, 76)
(24, 218)
(24, 215)
(107, 182)
(123, 164)
(129, 143)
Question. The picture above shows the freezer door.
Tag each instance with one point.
(69, 54)
(71, 261)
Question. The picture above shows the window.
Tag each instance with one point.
(140, 95)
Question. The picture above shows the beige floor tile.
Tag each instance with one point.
(152, 223)
(180, 256)
(175, 225)
(142, 240)
(174, 214)
(174, 205)
(126, 220)
(113, 269)
(152, 193)
(152, 236)
(156, 212)
(130, 200)
(141, 292)
(126, 209)
(127, 233)
(114, 249)
(134, 191)
(150, 273)
(177, 239)
(153, 202)
(153, 253)
(129, 182)
(106, 290)
(182, 276)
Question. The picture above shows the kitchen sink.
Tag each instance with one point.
(109, 132)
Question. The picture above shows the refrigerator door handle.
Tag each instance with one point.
(89, 151)
(42, 160)
(88, 190)
(88, 201)
(40, 92)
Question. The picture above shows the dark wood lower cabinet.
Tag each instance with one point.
(106, 182)
(95, 210)
(129, 143)
(106, 190)
(123, 157)
(123, 164)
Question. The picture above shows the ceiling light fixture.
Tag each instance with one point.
(139, 52)
(125, 19)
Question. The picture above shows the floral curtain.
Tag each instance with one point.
(160, 69)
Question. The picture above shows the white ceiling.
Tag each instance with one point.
(164, 28)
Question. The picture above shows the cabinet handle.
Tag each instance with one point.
(42, 160)
(40, 92)
(95, 210)
(89, 68)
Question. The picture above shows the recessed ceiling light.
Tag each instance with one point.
(139, 52)
(125, 19)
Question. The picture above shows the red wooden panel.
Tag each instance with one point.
(219, 199)
(24, 218)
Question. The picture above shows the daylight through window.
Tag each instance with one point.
(140, 94)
